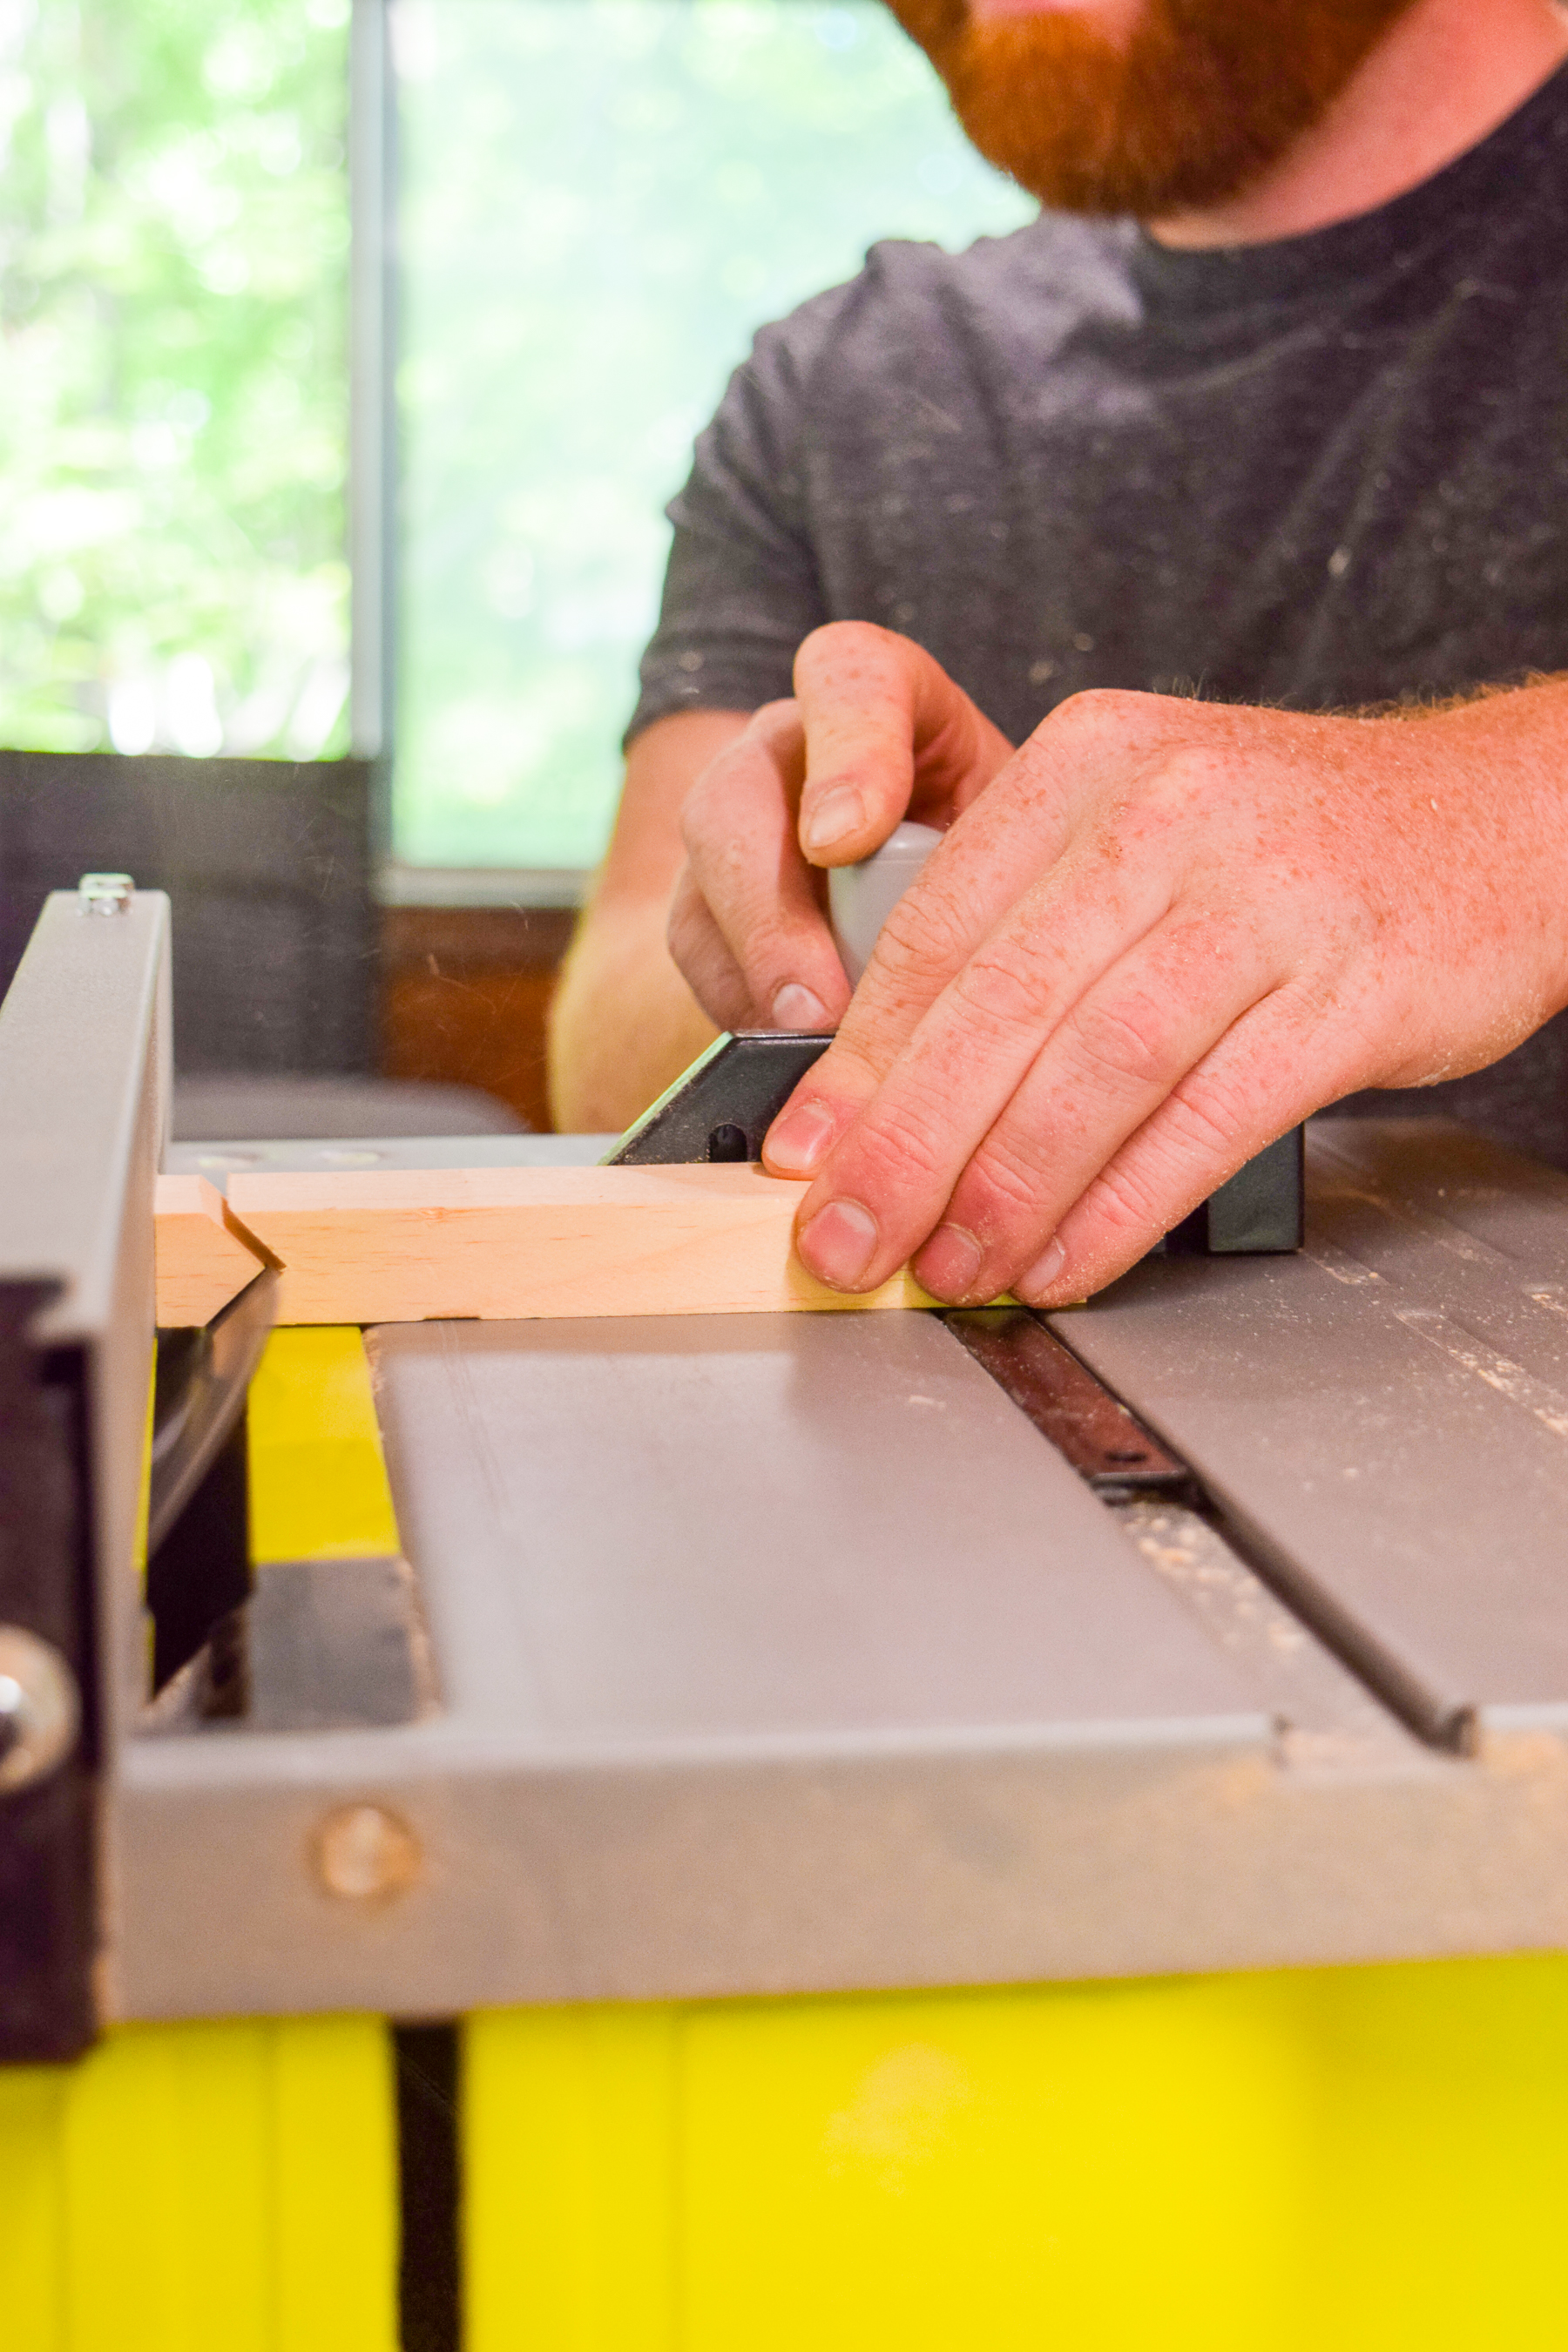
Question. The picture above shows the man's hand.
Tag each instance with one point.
(889, 736)
(1152, 941)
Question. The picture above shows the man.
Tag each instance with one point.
(1295, 447)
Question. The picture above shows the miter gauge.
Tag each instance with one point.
(722, 1106)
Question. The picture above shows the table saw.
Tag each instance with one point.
(927, 1828)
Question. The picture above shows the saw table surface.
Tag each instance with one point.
(1386, 1415)
(752, 1532)
(783, 1650)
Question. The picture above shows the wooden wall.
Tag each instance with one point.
(465, 991)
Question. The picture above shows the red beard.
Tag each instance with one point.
(1197, 103)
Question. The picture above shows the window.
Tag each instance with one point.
(172, 442)
(596, 203)
(600, 201)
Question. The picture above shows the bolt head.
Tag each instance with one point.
(364, 1853)
(40, 1710)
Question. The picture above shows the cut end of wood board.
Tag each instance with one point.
(204, 1256)
(403, 1245)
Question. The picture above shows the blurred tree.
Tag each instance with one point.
(173, 245)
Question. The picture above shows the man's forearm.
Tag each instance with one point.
(624, 1024)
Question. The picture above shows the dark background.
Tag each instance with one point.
(283, 962)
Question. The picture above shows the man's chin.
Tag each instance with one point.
(1180, 104)
(1112, 20)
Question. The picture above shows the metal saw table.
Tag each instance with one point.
(901, 1886)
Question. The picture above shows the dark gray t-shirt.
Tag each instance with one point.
(1321, 473)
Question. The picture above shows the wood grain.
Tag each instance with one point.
(203, 1256)
(399, 1246)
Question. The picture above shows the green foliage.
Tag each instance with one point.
(173, 242)
(601, 199)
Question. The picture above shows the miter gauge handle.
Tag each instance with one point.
(861, 898)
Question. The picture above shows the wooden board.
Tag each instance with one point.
(401, 1246)
(203, 1256)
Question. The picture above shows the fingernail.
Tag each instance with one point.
(798, 1139)
(837, 812)
(836, 1245)
(949, 1265)
(1045, 1271)
(794, 1007)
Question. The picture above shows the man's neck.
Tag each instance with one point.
(1447, 73)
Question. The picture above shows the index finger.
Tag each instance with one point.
(1001, 849)
(888, 734)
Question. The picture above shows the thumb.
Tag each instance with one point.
(886, 728)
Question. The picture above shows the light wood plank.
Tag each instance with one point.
(203, 1256)
(398, 1245)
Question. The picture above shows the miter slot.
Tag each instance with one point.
(1328, 1718)
(1327, 1714)
(1381, 1424)
(1105, 1443)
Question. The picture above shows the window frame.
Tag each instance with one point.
(373, 156)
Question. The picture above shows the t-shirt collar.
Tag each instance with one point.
(1497, 170)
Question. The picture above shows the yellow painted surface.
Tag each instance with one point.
(203, 2188)
(1369, 2160)
(224, 2186)
(318, 1478)
(1441, 2179)
(334, 2123)
(571, 2177)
